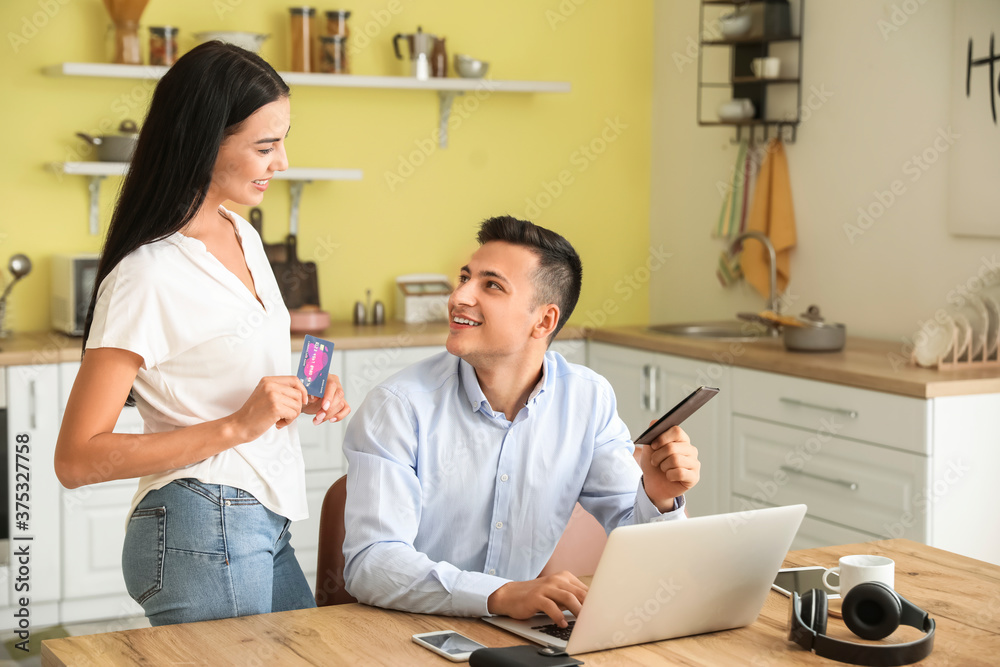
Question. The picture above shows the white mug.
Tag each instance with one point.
(854, 570)
(765, 68)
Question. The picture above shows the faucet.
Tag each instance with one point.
(772, 302)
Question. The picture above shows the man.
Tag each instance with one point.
(464, 469)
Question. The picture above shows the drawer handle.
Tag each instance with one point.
(853, 486)
(853, 414)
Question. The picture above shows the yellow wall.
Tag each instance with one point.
(500, 157)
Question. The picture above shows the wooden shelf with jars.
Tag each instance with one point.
(446, 88)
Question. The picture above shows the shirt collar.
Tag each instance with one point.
(477, 399)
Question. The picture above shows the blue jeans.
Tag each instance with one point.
(197, 552)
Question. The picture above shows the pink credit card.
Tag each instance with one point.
(314, 365)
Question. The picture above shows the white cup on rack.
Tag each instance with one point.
(859, 569)
(766, 68)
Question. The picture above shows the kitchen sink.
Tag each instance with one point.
(725, 330)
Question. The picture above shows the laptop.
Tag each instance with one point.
(672, 579)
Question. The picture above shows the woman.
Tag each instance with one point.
(186, 317)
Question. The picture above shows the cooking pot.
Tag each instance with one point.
(115, 147)
(814, 335)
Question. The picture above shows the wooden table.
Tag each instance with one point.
(961, 594)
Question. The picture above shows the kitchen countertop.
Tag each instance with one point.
(49, 347)
(864, 363)
(878, 365)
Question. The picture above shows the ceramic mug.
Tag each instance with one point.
(765, 68)
(854, 570)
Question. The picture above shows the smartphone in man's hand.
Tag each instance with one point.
(677, 414)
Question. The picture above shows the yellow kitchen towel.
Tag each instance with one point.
(772, 214)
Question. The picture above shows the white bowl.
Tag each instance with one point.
(735, 110)
(250, 41)
(470, 68)
(736, 24)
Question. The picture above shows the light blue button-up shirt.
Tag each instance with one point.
(447, 500)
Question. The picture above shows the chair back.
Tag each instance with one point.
(330, 566)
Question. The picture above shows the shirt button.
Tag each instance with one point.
(228, 503)
(493, 571)
(499, 524)
(504, 478)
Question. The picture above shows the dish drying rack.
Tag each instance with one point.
(987, 357)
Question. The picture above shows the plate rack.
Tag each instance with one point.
(986, 357)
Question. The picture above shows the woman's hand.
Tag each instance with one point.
(333, 407)
(277, 401)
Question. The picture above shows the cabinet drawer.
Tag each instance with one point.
(848, 412)
(813, 533)
(860, 486)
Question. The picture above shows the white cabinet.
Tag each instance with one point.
(32, 412)
(861, 486)
(305, 534)
(365, 369)
(962, 488)
(858, 459)
(93, 531)
(647, 384)
(869, 465)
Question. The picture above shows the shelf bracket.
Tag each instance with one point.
(94, 186)
(446, 97)
(295, 189)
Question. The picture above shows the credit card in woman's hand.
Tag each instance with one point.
(314, 364)
(677, 414)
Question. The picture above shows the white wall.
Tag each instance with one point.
(890, 96)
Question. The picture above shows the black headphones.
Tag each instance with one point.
(871, 610)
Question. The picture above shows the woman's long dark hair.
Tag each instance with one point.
(203, 98)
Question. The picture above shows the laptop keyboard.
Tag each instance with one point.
(554, 630)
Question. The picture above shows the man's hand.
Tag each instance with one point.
(548, 595)
(670, 467)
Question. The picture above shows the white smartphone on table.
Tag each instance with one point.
(448, 643)
(801, 580)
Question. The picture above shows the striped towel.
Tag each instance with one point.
(733, 216)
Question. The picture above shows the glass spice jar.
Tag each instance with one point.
(162, 45)
(333, 54)
(302, 38)
(336, 23)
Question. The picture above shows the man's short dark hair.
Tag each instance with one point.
(560, 272)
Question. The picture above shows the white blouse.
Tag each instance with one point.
(205, 343)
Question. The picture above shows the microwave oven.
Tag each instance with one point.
(72, 285)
